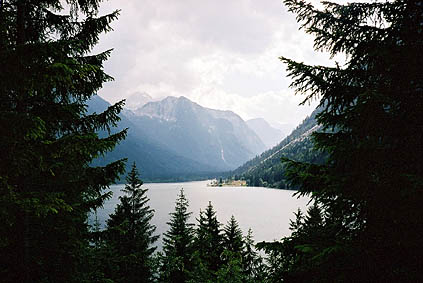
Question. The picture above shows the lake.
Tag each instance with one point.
(266, 211)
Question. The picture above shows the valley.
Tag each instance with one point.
(175, 139)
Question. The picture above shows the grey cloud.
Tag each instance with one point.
(157, 43)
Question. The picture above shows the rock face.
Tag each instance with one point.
(268, 134)
(177, 137)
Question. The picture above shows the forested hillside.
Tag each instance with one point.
(267, 169)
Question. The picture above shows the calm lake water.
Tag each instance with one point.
(266, 211)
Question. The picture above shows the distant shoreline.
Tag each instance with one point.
(167, 181)
(227, 183)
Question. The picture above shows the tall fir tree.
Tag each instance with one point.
(230, 269)
(232, 236)
(371, 188)
(47, 140)
(253, 266)
(209, 240)
(310, 233)
(177, 244)
(130, 234)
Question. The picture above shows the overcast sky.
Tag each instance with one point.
(221, 54)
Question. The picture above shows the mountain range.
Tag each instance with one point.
(177, 139)
(214, 137)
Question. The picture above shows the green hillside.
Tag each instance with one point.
(267, 169)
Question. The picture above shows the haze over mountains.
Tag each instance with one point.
(217, 138)
(137, 100)
(176, 137)
(269, 135)
(154, 160)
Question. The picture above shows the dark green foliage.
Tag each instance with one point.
(231, 271)
(252, 264)
(208, 255)
(177, 244)
(209, 239)
(200, 271)
(47, 139)
(98, 258)
(129, 234)
(366, 225)
(232, 236)
(316, 241)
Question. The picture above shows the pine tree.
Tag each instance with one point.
(291, 258)
(98, 255)
(231, 270)
(130, 234)
(177, 244)
(209, 240)
(47, 140)
(370, 189)
(252, 263)
(232, 236)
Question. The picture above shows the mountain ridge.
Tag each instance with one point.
(267, 169)
(176, 137)
(187, 128)
(155, 162)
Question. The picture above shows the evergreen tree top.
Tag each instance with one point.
(133, 181)
(181, 207)
(180, 230)
(233, 238)
(208, 220)
(232, 227)
(130, 234)
(356, 30)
